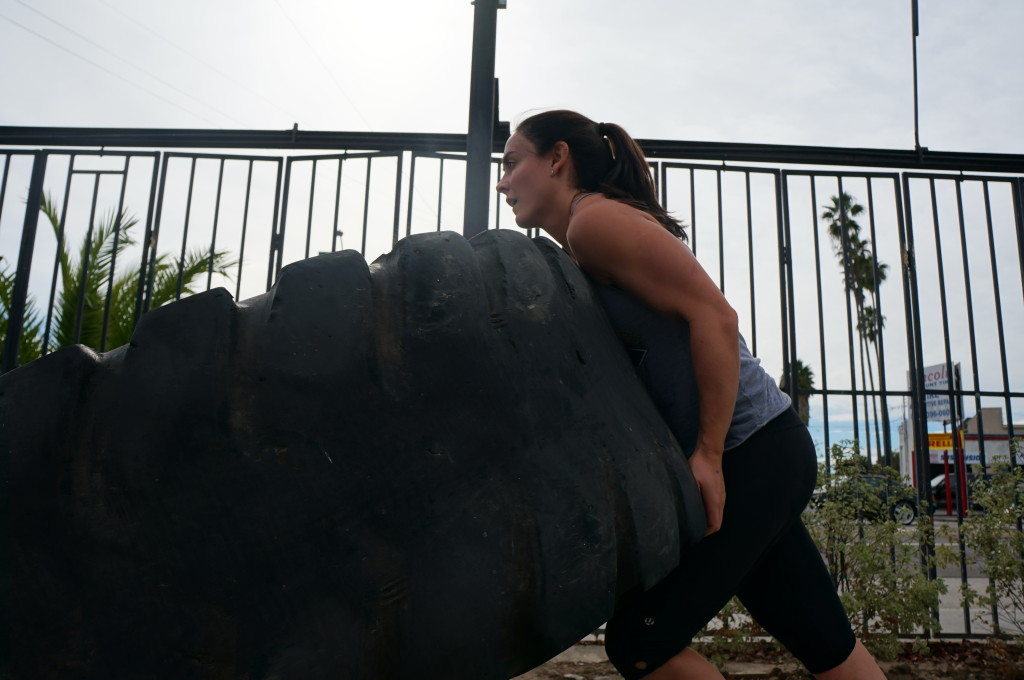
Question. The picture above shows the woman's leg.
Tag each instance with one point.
(686, 665)
(860, 665)
(689, 665)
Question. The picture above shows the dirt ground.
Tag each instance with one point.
(967, 660)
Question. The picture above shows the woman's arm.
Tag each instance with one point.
(621, 245)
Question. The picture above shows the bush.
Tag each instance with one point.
(994, 540)
(878, 566)
(731, 634)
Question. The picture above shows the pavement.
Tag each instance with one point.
(593, 654)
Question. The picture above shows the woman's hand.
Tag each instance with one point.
(706, 467)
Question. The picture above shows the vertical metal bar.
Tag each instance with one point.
(1017, 192)
(309, 207)
(440, 193)
(3, 181)
(184, 235)
(480, 136)
(977, 398)
(969, 299)
(16, 316)
(915, 350)
(879, 322)
(159, 161)
(497, 198)
(245, 229)
(277, 240)
(216, 221)
(86, 251)
(693, 214)
(867, 380)
(750, 264)
(944, 310)
(721, 235)
(844, 239)
(412, 194)
(953, 415)
(915, 354)
(113, 260)
(338, 234)
(58, 259)
(152, 247)
(999, 314)
(787, 307)
(398, 199)
(821, 315)
(366, 203)
(664, 186)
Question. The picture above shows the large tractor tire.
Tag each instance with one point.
(438, 466)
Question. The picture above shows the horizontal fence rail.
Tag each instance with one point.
(858, 274)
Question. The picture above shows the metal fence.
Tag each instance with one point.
(867, 267)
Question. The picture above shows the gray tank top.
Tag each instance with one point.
(659, 346)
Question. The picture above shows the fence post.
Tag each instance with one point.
(480, 137)
(16, 317)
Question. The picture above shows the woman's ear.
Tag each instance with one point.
(561, 159)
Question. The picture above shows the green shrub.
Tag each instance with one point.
(878, 566)
(995, 542)
(731, 634)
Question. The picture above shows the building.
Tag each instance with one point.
(986, 431)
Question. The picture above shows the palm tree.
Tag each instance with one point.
(804, 384)
(862, 275)
(31, 342)
(96, 305)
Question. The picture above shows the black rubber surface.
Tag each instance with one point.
(438, 466)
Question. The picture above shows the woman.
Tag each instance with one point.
(589, 187)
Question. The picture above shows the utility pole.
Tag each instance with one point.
(916, 31)
(480, 137)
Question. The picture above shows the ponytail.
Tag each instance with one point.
(606, 159)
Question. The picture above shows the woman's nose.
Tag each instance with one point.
(501, 187)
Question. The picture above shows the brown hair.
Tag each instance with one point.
(606, 158)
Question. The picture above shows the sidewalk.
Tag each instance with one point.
(589, 662)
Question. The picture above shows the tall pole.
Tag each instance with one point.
(916, 30)
(480, 138)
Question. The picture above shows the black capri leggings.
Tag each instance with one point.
(763, 554)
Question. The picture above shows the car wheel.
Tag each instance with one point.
(904, 513)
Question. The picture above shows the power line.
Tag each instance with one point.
(120, 58)
(325, 67)
(205, 63)
(106, 70)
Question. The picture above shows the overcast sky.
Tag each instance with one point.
(793, 72)
(803, 72)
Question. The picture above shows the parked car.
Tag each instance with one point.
(938, 485)
(873, 496)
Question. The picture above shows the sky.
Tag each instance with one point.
(799, 72)
(795, 72)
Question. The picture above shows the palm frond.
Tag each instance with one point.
(168, 274)
(90, 280)
(30, 344)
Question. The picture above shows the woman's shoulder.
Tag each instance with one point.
(597, 202)
(599, 215)
(608, 236)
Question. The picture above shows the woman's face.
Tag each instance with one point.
(526, 181)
